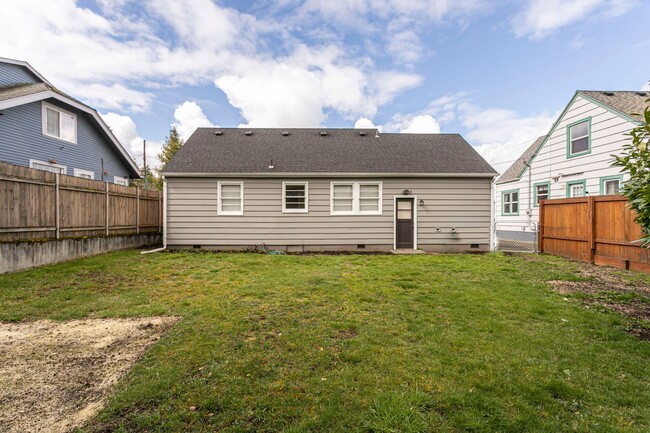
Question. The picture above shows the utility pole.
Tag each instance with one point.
(144, 152)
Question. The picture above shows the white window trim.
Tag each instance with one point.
(606, 181)
(356, 199)
(415, 220)
(78, 172)
(63, 168)
(241, 206)
(61, 111)
(117, 179)
(284, 196)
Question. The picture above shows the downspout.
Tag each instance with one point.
(493, 215)
(164, 218)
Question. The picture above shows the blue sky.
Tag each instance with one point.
(498, 72)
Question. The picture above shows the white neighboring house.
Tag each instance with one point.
(572, 160)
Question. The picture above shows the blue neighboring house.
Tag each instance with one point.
(43, 128)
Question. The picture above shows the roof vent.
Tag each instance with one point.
(323, 133)
(362, 133)
(248, 133)
(285, 133)
(642, 93)
(218, 132)
(608, 93)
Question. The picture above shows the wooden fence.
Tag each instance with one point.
(599, 230)
(36, 204)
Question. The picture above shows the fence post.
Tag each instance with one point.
(540, 228)
(591, 232)
(106, 208)
(57, 204)
(137, 210)
(160, 212)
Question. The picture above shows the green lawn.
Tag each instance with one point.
(354, 343)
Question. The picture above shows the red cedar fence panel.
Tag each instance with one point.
(599, 230)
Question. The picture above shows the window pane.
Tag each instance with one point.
(403, 214)
(67, 127)
(579, 130)
(577, 191)
(506, 207)
(369, 191)
(343, 191)
(580, 145)
(231, 205)
(52, 127)
(404, 204)
(515, 207)
(515, 196)
(542, 192)
(612, 186)
(230, 191)
(295, 203)
(294, 190)
(506, 197)
(369, 204)
(342, 205)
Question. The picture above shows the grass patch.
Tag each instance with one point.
(379, 343)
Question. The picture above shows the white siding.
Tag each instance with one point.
(460, 203)
(608, 131)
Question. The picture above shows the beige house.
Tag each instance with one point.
(327, 190)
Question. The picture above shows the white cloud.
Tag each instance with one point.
(422, 124)
(364, 123)
(501, 135)
(646, 87)
(296, 90)
(114, 97)
(189, 116)
(125, 130)
(539, 18)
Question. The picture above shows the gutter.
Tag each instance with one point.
(329, 174)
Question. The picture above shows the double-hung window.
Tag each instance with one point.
(510, 203)
(355, 198)
(294, 197)
(230, 199)
(542, 192)
(610, 185)
(59, 123)
(578, 139)
(47, 166)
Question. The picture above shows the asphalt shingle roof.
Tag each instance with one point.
(628, 102)
(18, 90)
(241, 150)
(514, 171)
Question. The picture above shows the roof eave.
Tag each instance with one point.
(326, 174)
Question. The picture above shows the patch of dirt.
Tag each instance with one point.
(602, 286)
(54, 376)
(347, 334)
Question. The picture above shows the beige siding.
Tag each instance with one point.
(192, 217)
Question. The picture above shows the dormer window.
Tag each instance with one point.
(59, 123)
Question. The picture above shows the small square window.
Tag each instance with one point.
(542, 192)
(510, 202)
(576, 189)
(47, 166)
(86, 174)
(612, 186)
(118, 180)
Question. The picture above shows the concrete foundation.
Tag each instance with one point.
(15, 256)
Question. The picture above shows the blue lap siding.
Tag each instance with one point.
(22, 139)
(15, 74)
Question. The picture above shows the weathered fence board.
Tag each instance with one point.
(36, 204)
(599, 230)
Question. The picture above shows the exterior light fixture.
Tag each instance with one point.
(406, 192)
(421, 202)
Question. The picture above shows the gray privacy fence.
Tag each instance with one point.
(39, 205)
(520, 238)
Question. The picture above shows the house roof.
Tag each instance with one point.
(232, 151)
(627, 102)
(20, 94)
(517, 168)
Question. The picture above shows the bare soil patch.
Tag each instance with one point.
(606, 287)
(54, 376)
